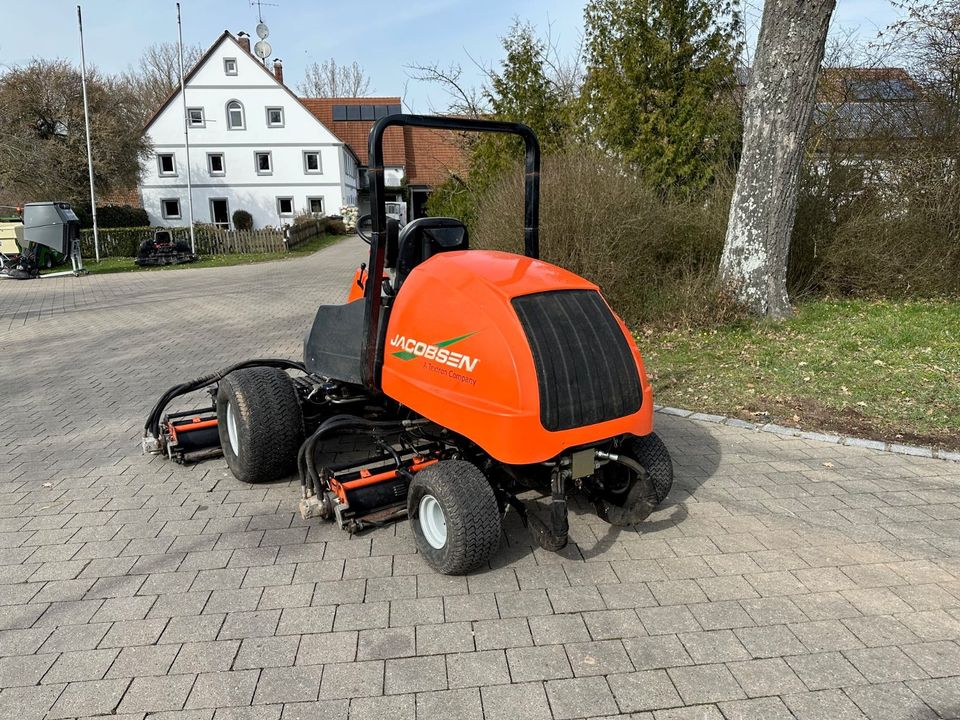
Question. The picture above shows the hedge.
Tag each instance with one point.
(112, 216)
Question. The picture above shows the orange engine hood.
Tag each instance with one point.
(457, 353)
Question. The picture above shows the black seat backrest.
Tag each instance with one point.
(425, 237)
(393, 243)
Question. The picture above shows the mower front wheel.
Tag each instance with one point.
(260, 424)
(454, 515)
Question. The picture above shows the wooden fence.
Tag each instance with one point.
(303, 231)
(227, 242)
(124, 242)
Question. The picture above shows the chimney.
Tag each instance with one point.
(244, 40)
(278, 70)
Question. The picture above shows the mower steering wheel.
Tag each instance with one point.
(361, 221)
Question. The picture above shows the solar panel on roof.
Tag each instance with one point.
(339, 112)
(353, 112)
(366, 112)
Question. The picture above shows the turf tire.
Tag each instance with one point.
(470, 510)
(269, 424)
(650, 452)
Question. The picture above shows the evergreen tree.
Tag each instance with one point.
(660, 86)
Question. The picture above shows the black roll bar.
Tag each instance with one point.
(371, 349)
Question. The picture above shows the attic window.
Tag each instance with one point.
(275, 117)
(230, 66)
(195, 117)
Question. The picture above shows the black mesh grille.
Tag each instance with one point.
(585, 368)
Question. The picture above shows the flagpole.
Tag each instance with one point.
(186, 129)
(86, 122)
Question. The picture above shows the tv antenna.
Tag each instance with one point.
(260, 5)
(262, 48)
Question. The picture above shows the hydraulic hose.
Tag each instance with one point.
(152, 426)
(306, 457)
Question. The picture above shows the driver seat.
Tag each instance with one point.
(425, 237)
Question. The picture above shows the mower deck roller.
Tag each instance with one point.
(452, 381)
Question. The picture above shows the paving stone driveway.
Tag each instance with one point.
(783, 579)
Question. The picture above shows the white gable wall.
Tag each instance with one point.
(242, 185)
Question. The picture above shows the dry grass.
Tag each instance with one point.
(655, 258)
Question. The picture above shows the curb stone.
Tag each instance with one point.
(897, 448)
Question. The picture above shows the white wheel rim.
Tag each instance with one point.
(433, 522)
(232, 433)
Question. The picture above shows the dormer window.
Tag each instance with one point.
(235, 119)
(229, 66)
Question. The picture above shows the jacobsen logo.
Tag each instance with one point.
(411, 348)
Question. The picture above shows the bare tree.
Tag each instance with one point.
(777, 110)
(157, 73)
(42, 138)
(461, 99)
(328, 79)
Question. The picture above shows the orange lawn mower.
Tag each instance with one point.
(450, 382)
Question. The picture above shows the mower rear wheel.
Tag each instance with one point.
(260, 424)
(649, 451)
(454, 516)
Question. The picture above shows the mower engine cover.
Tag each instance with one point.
(524, 358)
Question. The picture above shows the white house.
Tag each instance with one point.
(253, 146)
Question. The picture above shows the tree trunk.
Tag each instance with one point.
(777, 109)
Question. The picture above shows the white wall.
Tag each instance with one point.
(242, 186)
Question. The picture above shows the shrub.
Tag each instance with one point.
(112, 216)
(336, 226)
(896, 236)
(655, 257)
(242, 220)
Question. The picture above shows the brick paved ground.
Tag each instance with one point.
(783, 579)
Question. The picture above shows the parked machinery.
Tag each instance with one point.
(452, 381)
(47, 227)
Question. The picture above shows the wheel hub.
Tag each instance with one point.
(232, 433)
(433, 522)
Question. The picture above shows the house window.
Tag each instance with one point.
(311, 163)
(285, 206)
(170, 209)
(215, 164)
(167, 164)
(264, 163)
(315, 205)
(275, 117)
(230, 66)
(235, 115)
(195, 117)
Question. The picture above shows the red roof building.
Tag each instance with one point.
(422, 157)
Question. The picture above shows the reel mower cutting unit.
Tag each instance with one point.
(452, 381)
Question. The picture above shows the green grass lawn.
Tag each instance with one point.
(125, 264)
(879, 369)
